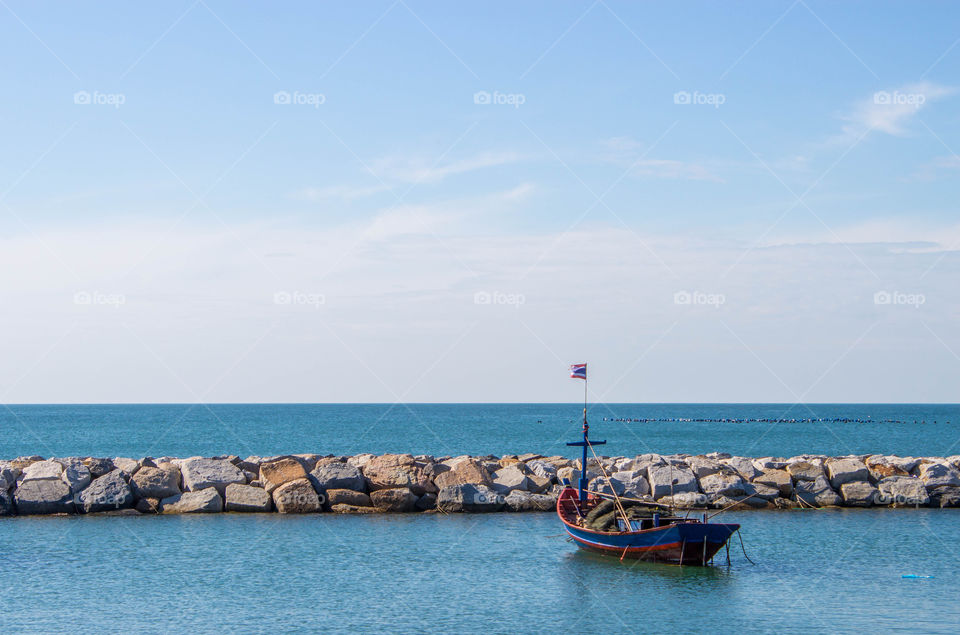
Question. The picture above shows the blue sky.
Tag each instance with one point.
(233, 202)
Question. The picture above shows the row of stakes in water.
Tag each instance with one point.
(760, 420)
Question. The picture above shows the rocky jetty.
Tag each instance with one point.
(393, 483)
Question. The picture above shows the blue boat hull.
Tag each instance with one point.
(685, 542)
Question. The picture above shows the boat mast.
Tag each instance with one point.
(585, 443)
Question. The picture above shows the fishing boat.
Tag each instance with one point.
(633, 529)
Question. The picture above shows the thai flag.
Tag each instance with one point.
(578, 371)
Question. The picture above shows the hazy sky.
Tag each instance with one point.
(412, 201)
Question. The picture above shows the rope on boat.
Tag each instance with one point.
(742, 548)
(616, 499)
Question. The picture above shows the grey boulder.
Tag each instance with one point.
(670, 480)
(244, 498)
(841, 471)
(634, 482)
(75, 474)
(509, 479)
(817, 492)
(901, 491)
(337, 476)
(858, 493)
(109, 492)
(44, 496)
(469, 498)
(527, 502)
(155, 482)
(199, 474)
(722, 484)
(936, 475)
(202, 501)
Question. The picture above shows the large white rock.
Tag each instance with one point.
(244, 498)
(8, 477)
(337, 476)
(542, 469)
(743, 466)
(667, 480)
(634, 483)
(43, 471)
(805, 470)
(858, 493)
(154, 482)
(130, 466)
(194, 502)
(702, 466)
(509, 479)
(846, 470)
(817, 492)
(720, 484)
(776, 478)
(901, 491)
(936, 475)
(199, 474)
(75, 474)
(604, 485)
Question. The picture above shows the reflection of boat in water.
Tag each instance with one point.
(640, 532)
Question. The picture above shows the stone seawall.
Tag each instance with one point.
(365, 483)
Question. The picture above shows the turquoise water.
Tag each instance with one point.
(816, 571)
(441, 429)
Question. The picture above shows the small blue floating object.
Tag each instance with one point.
(914, 576)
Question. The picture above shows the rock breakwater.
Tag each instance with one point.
(366, 483)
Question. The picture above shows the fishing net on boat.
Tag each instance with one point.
(604, 516)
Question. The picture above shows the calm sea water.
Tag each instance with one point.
(440, 429)
(816, 571)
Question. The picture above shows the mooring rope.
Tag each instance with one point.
(742, 548)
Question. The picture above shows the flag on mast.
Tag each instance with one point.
(578, 371)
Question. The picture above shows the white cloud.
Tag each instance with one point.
(397, 171)
(890, 111)
(338, 192)
(399, 297)
(629, 153)
(419, 170)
